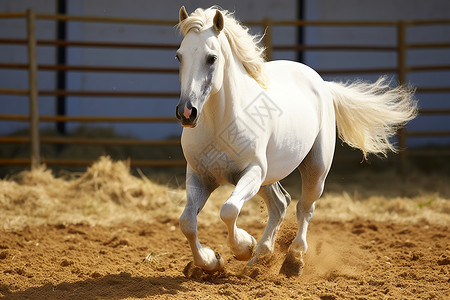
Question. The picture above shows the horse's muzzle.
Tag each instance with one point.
(186, 114)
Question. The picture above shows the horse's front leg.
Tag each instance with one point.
(241, 243)
(197, 194)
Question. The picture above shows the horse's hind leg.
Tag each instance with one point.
(313, 170)
(277, 200)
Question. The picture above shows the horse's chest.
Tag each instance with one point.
(214, 163)
(223, 153)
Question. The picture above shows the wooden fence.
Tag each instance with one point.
(401, 69)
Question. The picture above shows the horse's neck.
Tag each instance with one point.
(231, 99)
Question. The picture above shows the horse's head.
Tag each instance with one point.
(201, 68)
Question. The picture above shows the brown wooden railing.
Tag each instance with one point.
(401, 69)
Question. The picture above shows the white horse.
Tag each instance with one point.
(251, 123)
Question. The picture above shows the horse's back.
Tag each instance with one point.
(297, 85)
(291, 69)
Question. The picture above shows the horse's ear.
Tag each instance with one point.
(218, 21)
(183, 14)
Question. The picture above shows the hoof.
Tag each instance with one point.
(220, 263)
(293, 264)
(196, 272)
(245, 253)
(266, 261)
(210, 261)
(216, 267)
(262, 252)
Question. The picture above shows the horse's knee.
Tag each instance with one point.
(229, 211)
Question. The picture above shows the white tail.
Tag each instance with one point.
(368, 114)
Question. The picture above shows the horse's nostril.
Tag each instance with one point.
(177, 113)
(193, 115)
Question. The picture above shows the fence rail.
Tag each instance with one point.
(90, 141)
(401, 70)
(99, 119)
(90, 68)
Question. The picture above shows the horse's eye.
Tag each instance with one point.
(178, 57)
(211, 59)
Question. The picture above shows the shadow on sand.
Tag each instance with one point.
(118, 286)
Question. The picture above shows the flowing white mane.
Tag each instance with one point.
(242, 43)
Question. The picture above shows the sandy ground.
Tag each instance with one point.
(108, 235)
(356, 259)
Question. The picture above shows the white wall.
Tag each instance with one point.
(245, 10)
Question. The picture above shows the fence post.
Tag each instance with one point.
(33, 89)
(401, 69)
(268, 38)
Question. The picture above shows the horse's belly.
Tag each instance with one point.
(282, 163)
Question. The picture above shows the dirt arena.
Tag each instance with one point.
(105, 234)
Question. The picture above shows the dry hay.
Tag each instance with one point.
(107, 194)
(427, 209)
